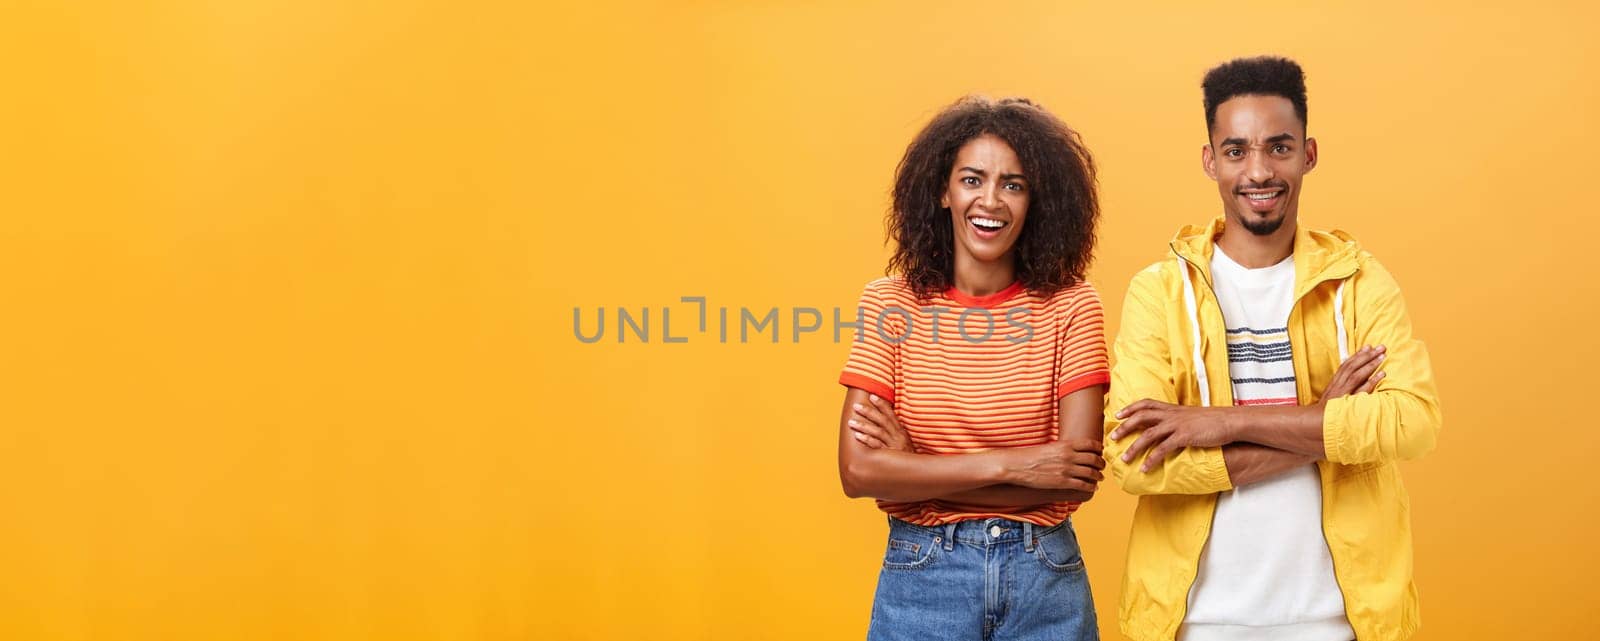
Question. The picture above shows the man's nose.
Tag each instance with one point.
(1258, 169)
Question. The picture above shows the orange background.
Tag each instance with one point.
(288, 347)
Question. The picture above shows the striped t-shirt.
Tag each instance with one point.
(972, 373)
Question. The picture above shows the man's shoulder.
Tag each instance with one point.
(1374, 278)
(1153, 279)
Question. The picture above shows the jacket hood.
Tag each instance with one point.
(1318, 255)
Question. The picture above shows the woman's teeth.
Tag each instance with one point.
(987, 223)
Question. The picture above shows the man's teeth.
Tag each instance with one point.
(988, 223)
(1266, 196)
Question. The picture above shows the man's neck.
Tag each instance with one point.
(1255, 252)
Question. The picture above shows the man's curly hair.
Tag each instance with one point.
(1260, 76)
(1056, 245)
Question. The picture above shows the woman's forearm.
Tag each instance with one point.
(893, 475)
(1007, 495)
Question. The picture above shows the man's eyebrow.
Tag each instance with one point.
(1283, 137)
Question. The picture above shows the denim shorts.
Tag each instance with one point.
(989, 579)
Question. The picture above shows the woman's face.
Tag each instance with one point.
(988, 199)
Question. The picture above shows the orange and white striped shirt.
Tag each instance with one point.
(972, 373)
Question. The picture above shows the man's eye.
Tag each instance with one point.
(1234, 153)
(1282, 149)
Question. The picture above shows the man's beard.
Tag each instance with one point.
(1261, 227)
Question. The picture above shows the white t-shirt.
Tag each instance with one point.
(1265, 572)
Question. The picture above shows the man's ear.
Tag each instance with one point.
(1311, 155)
(1208, 161)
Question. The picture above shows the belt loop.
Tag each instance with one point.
(949, 536)
(1027, 536)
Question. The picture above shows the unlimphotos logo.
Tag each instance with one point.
(892, 324)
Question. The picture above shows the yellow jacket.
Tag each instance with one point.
(1343, 300)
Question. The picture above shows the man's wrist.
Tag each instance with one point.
(1235, 424)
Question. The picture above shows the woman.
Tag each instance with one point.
(975, 385)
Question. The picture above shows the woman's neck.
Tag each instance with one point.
(975, 278)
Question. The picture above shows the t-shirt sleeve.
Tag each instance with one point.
(871, 364)
(1081, 347)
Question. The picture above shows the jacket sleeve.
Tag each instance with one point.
(1144, 369)
(1400, 419)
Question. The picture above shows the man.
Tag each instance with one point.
(1266, 382)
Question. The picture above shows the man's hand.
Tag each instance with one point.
(1357, 374)
(1167, 427)
(875, 426)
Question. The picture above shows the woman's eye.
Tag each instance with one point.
(1014, 186)
(969, 180)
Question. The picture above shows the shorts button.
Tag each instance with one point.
(994, 531)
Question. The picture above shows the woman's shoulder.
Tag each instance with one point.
(1079, 293)
(889, 289)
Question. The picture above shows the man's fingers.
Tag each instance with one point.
(1139, 405)
(1134, 422)
(1371, 384)
(1346, 371)
(1366, 356)
(1147, 439)
(1158, 455)
(1362, 373)
(1359, 358)
(1354, 372)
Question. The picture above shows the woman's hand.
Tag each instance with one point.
(1063, 464)
(875, 426)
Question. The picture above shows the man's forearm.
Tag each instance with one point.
(1006, 495)
(1292, 429)
(1251, 463)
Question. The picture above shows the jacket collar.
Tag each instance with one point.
(1318, 256)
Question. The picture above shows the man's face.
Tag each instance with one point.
(1258, 154)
